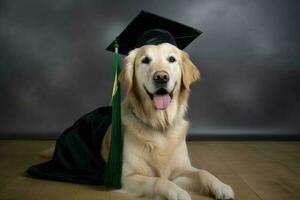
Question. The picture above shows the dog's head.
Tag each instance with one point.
(158, 75)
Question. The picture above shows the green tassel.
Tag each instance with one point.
(113, 171)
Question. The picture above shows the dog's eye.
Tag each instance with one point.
(171, 59)
(146, 60)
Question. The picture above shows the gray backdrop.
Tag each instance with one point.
(54, 67)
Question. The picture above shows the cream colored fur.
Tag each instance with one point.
(48, 153)
(155, 158)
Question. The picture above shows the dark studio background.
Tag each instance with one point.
(54, 67)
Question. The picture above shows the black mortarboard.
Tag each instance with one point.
(148, 28)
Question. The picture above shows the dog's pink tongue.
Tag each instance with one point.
(162, 101)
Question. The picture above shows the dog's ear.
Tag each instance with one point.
(127, 71)
(190, 72)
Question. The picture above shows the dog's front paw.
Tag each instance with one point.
(222, 191)
(178, 194)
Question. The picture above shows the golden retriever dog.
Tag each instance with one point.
(156, 163)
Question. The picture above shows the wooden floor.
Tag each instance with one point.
(255, 170)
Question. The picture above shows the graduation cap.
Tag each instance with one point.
(146, 28)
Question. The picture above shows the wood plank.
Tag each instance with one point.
(269, 189)
(241, 189)
(21, 188)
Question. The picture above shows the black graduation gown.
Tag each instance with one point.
(77, 156)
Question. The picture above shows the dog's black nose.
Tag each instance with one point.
(161, 77)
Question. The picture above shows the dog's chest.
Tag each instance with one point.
(152, 153)
(159, 153)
